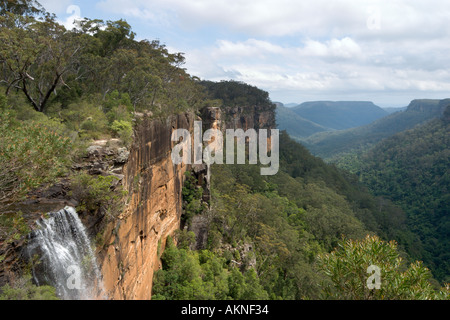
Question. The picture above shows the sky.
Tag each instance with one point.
(386, 51)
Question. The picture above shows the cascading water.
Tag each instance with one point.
(62, 257)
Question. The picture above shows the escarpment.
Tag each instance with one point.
(239, 117)
(154, 184)
(129, 245)
(134, 242)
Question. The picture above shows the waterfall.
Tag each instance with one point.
(61, 256)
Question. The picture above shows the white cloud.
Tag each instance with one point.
(72, 12)
(401, 18)
(75, 15)
(55, 6)
(321, 46)
(336, 65)
(335, 48)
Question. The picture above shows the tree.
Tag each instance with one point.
(36, 56)
(349, 271)
(21, 7)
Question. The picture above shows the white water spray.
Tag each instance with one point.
(63, 258)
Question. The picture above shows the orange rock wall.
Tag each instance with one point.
(136, 241)
(154, 184)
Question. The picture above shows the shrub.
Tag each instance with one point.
(94, 192)
(118, 113)
(13, 226)
(31, 153)
(115, 99)
(24, 289)
(88, 120)
(123, 130)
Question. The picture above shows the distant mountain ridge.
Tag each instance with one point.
(340, 115)
(296, 126)
(330, 144)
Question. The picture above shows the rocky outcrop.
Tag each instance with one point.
(239, 117)
(429, 106)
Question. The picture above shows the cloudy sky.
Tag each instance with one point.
(386, 51)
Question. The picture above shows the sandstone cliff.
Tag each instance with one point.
(134, 241)
(154, 210)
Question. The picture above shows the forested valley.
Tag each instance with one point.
(309, 232)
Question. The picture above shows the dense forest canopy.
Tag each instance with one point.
(411, 168)
(53, 67)
(236, 93)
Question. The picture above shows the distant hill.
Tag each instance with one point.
(333, 144)
(296, 126)
(341, 114)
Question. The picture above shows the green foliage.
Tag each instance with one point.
(13, 226)
(411, 169)
(273, 225)
(346, 269)
(21, 7)
(185, 239)
(3, 102)
(86, 119)
(124, 130)
(31, 154)
(115, 99)
(287, 220)
(192, 198)
(202, 275)
(234, 93)
(95, 192)
(24, 289)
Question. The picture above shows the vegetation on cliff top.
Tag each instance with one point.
(53, 67)
(60, 89)
(235, 93)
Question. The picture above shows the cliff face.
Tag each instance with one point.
(429, 106)
(154, 208)
(133, 243)
(154, 187)
(249, 117)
